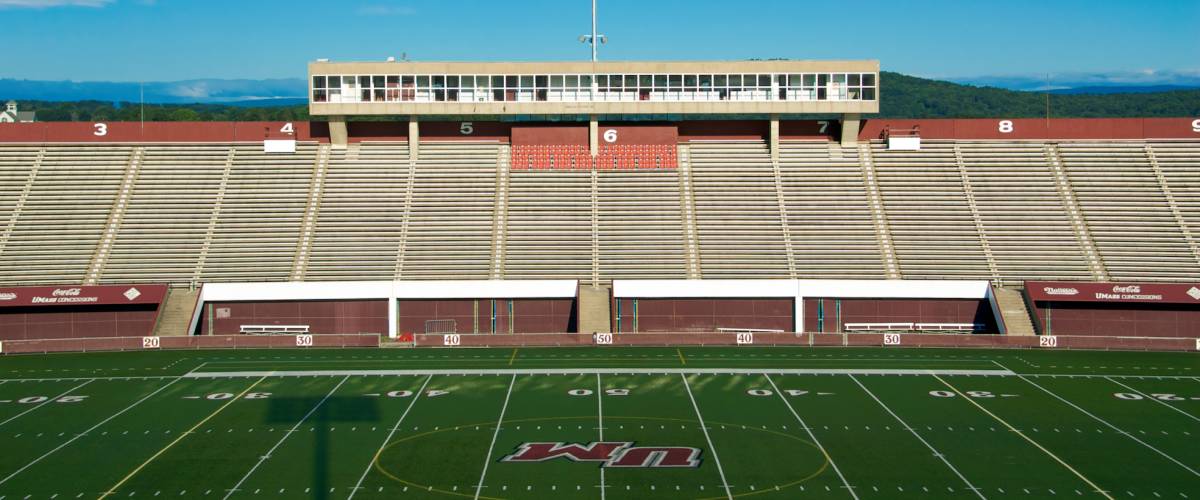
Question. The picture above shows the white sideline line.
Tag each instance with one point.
(1095, 487)
(487, 460)
(600, 418)
(603, 371)
(1111, 426)
(849, 488)
(711, 448)
(89, 430)
(1159, 401)
(389, 437)
(284, 438)
(43, 403)
(936, 453)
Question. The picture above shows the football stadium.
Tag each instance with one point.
(708, 279)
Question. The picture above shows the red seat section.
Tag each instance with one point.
(609, 157)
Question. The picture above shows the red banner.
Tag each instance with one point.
(1155, 293)
(105, 295)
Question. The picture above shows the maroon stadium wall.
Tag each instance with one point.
(189, 342)
(702, 314)
(49, 312)
(476, 315)
(337, 317)
(1127, 309)
(837, 312)
(807, 339)
(1040, 129)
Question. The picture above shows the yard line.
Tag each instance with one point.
(813, 436)
(488, 459)
(43, 403)
(513, 357)
(1111, 426)
(284, 438)
(389, 437)
(600, 417)
(936, 453)
(713, 449)
(182, 435)
(605, 371)
(1159, 401)
(90, 429)
(1062, 462)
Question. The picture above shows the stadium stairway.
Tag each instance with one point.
(1013, 310)
(595, 309)
(176, 312)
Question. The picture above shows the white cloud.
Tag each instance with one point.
(384, 10)
(43, 4)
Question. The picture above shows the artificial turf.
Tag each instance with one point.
(777, 423)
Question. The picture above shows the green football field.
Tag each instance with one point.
(601, 423)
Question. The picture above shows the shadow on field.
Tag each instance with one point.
(336, 410)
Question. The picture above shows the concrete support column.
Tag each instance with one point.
(850, 126)
(337, 132)
(393, 317)
(774, 140)
(594, 136)
(414, 138)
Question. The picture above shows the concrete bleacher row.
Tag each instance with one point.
(1007, 212)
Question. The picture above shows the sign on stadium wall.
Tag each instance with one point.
(103, 295)
(1158, 293)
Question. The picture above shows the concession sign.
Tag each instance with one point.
(1155, 293)
(106, 295)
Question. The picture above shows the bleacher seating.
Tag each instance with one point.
(954, 209)
(449, 233)
(360, 222)
(829, 221)
(737, 211)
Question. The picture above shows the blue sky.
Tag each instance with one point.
(163, 40)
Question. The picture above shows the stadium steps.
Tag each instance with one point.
(595, 303)
(1022, 212)
(312, 208)
(214, 216)
(687, 207)
(449, 227)
(1172, 202)
(1129, 215)
(1180, 166)
(883, 233)
(969, 191)
(1014, 312)
(783, 214)
(363, 203)
(500, 213)
(169, 213)
(176, 313)
(410, 179)
(116, 215)
(828, 216)
(737, 214)
(1071, 203)
(15, 185)
(595, 226)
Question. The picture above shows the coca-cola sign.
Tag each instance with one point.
(1164, 293)
(81, 295)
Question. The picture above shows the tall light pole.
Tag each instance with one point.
(594, 37)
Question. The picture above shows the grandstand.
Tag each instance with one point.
(663, 173)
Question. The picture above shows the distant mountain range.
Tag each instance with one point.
(291, 91)
(275, 92)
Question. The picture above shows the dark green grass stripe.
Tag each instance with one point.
(84, 433)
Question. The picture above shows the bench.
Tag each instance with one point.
(747, 330)
(274, 329)
(913, 327)
(879, 327)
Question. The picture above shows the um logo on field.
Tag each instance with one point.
(608, 453)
